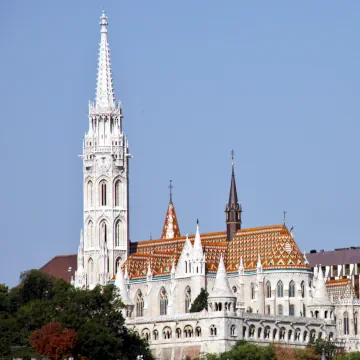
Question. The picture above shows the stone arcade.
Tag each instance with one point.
(261, 286)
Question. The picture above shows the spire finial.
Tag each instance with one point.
(284, 218)
(197, 221)
(171, 187)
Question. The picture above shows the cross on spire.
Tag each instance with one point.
(232, 158)
(284, 218)
(171, 187)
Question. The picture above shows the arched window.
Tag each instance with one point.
(117, 264)
(252, 291)
(117, 193)
(252, 331)
(90, 235)
(178, 333)
(259, 332)
(297, 334)
(89, 194)
(292, 310)
(282, 333)
(188, 331)
(302, 289)
(103, 233)
(187, 299)
(163, 301)
(356, 323)
(167, 333)
(146, 334)
(213, 331)
(156, 334)
(91, 272)
(117, 233)
(140, 305)
(280, 289)
(292, 289)
(186, 268)
(312, 335)
(103, 193)
(267, 332)
(304, 336)
(234, 289)
(198, 331)
(280, 310)
(346, 323)
(233, 330)
(268, 289)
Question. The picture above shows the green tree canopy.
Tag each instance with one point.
(201, 301)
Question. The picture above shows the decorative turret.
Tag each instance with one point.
(233, 207)
(198, 253)
(121, 286)
(221, 297)
(171, 228)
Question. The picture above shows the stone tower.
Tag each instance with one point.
(105, 241)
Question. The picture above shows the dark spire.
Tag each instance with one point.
(171, 187)
(233, 208)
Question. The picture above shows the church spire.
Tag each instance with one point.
(171, 228)
(233, 208)
(105, 98)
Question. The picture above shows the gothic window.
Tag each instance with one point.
(103, 233)
(268, 289)
(292, 310)
(156, 334)
(280, 289)
(103, 193)
(90, 194)
(259, 333)
(346, 323)
(91, 271)
(292, 289)
(198, 331)
(312, 335)
(213, 331)
(188, 331)
(140, 305)
(282, 333)
(117, 233)
(297, 334)
(90, 235)
(289, 335)
(252, 291)
(146, 334)
(267, 332)
(117, 193)
(117, 264)
(178, 333)
(356, 323)
(186, 267)
(302, 289)
(280, 310)
(233, 330)
(166, 333)
(187, 299)
(163, 301)
(252, 331)
(305, 336)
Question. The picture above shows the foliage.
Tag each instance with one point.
(31, 309)
(201, 301)
(54, 341)
(350, 356)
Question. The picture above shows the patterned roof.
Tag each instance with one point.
(275, 245)
(171, 228)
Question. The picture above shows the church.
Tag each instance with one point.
(261, 286)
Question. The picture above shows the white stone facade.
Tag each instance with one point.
(284, 302)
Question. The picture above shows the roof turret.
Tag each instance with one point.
(222, 286)
(320, 294)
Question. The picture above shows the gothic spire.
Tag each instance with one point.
(105, 98)
(222, 285)
(171, 228)
(233, 207)
(198, 251)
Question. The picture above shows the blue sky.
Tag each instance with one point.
(276, 81)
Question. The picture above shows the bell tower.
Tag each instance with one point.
(233, 208)
(106, 178)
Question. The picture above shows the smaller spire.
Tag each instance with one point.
(222, 285)
(171, 228)
(120, 284)
(241, 266)
(149, 273)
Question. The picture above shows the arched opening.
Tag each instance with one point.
(213, 331)
(117, 264)
(317, 313)
(156, 334)
(188, 331)
(244, 332)
(117, 193)
(90, 236)
(178, 333)
(198, 331)
(292, 289)
(139, 301)
(187, 299)
(346, 323)
(312, 335)
(163, 301)
(289, 335)
(282, 333)
(252, 331)
(89, 194)
(117, 233)
(103, 233)
(234, 289)
(297, 334)
(259, 332)
(166, 333)
(267, 332)
(280, 289)
(233, 330)
(302, 289)
(146, 334)
(331, 336)
(103, 193)
(91, 272)
(305, 336)
(268, 290)
(325, 314)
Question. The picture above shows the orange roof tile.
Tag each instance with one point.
(275, 245)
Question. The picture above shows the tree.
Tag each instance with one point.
(201, 301)
(54, 341)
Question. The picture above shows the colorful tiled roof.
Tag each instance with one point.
(171, 228)
(275, 245)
